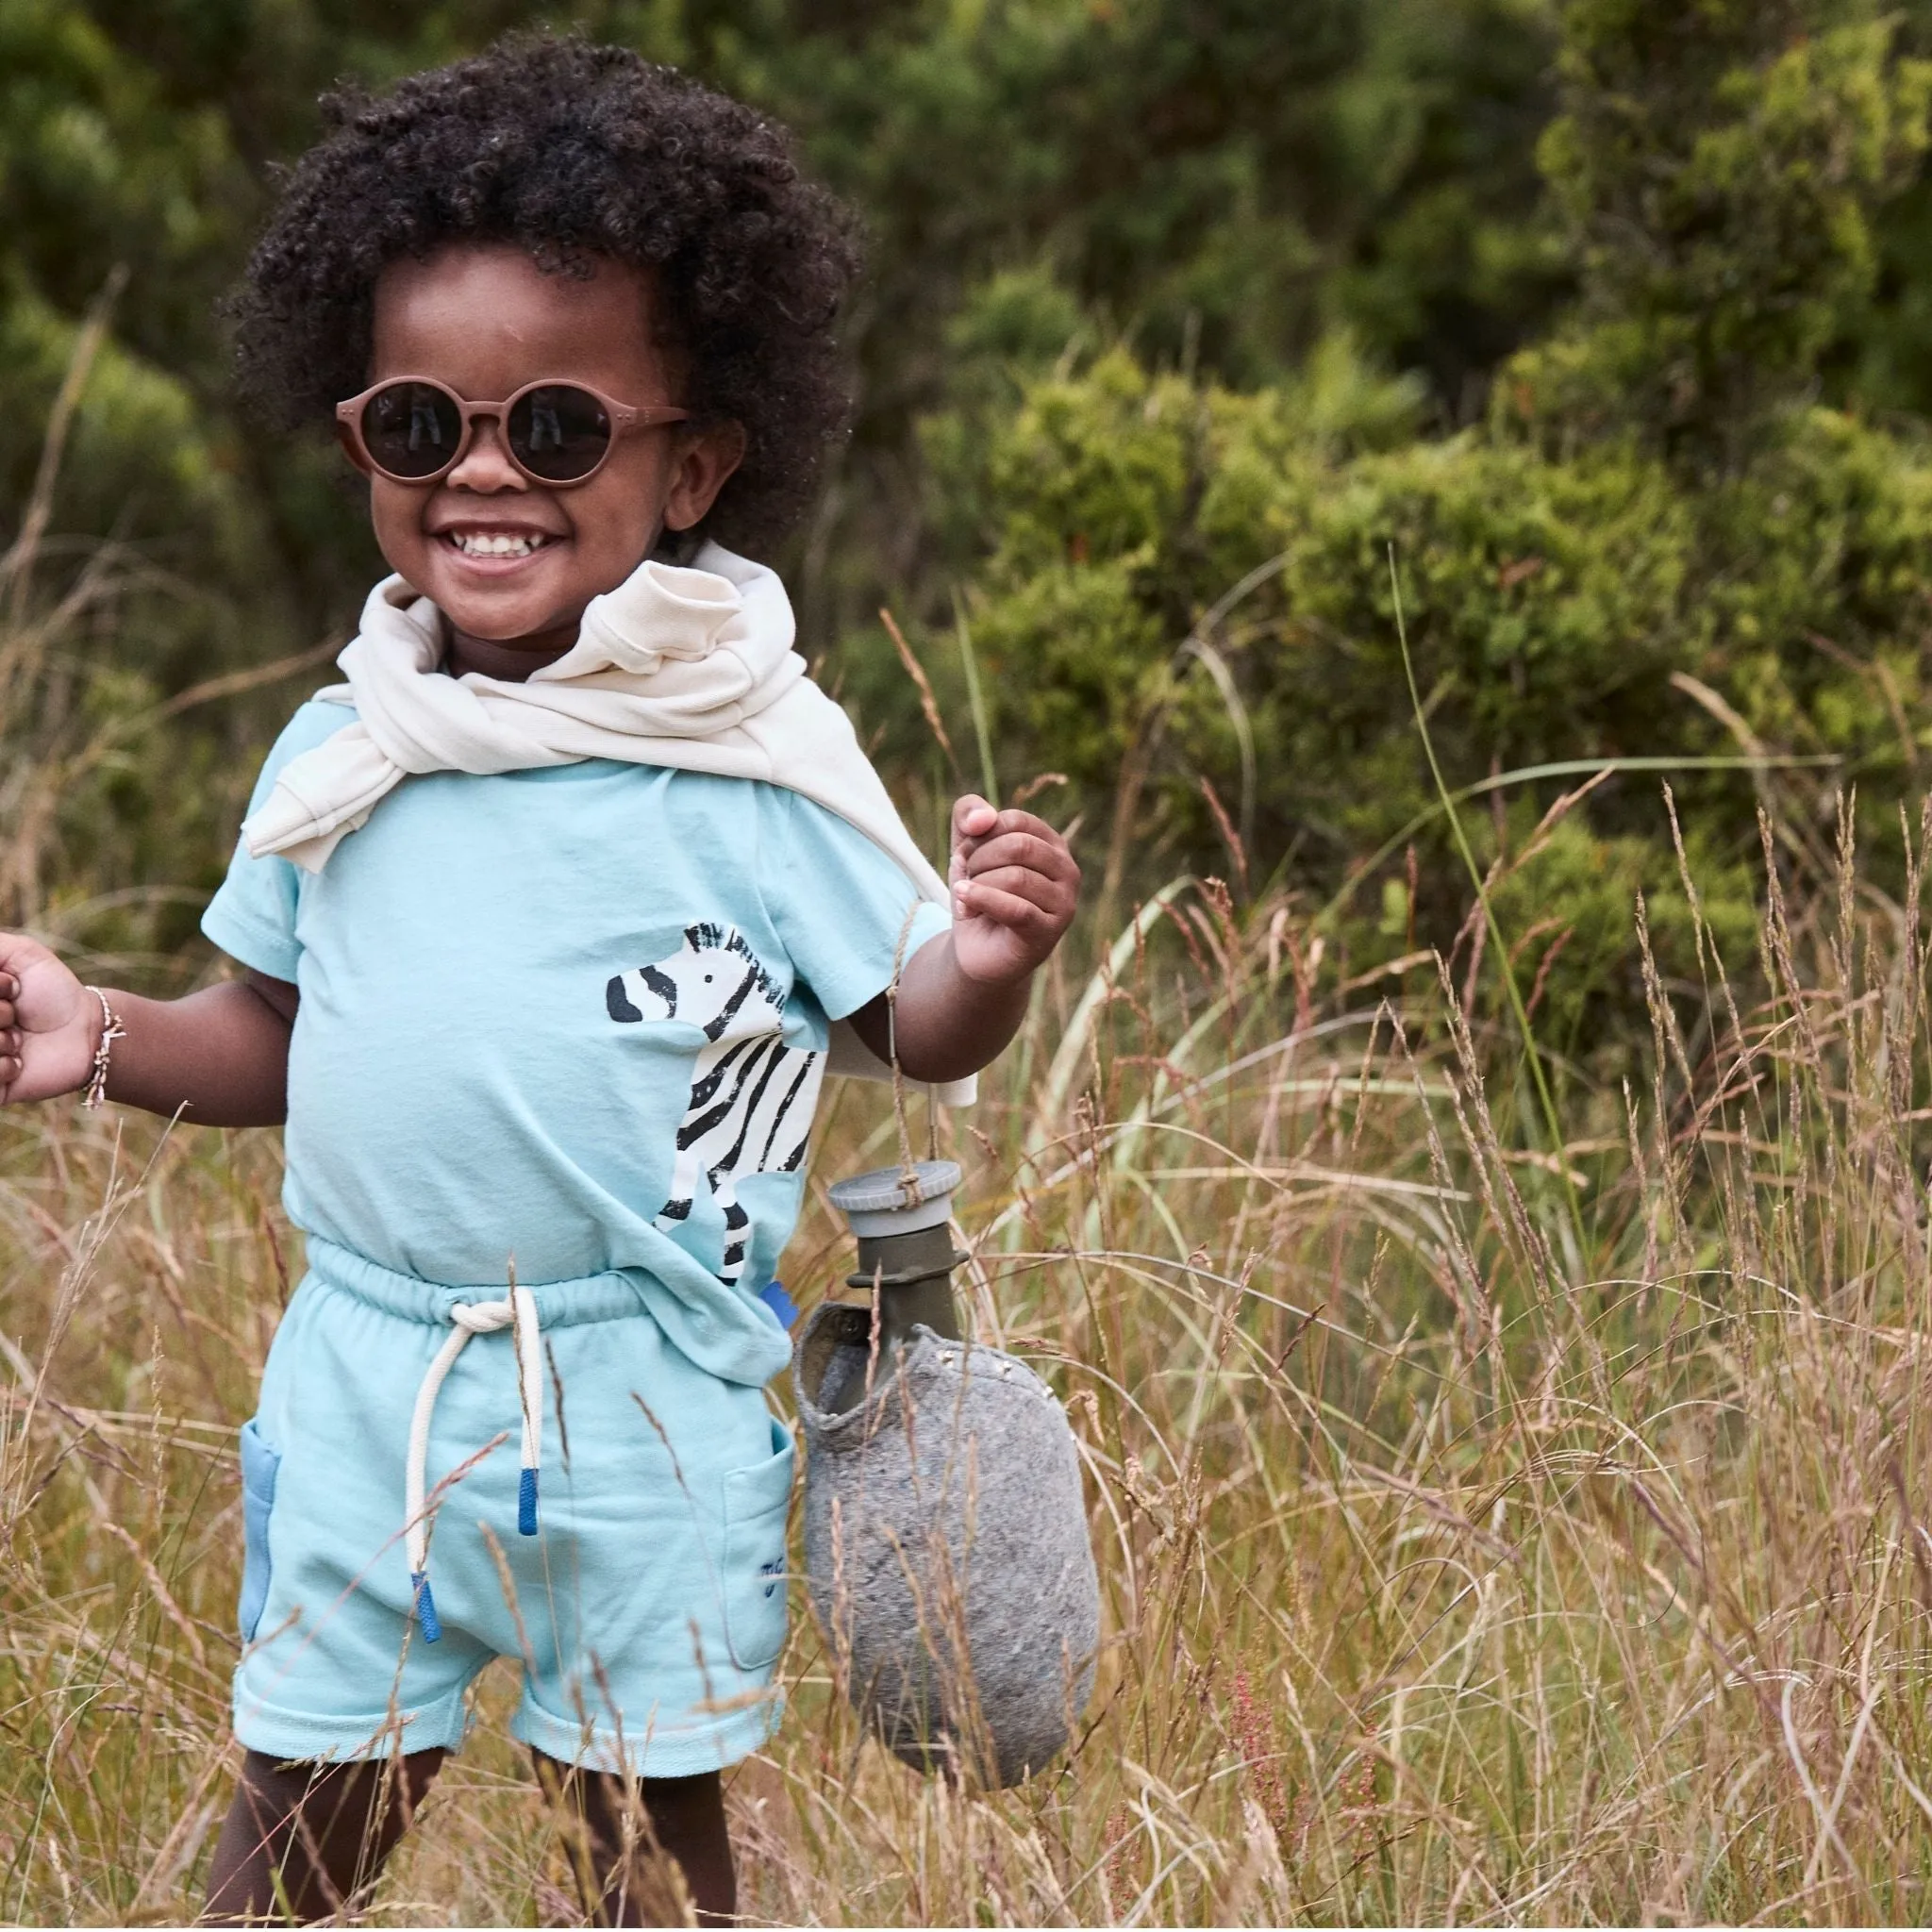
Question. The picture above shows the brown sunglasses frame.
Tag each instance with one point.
(625, 417)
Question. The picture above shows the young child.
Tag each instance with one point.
(544, 921)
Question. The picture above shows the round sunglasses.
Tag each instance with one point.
(415, 429)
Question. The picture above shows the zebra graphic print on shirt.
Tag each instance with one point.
(752, 1097)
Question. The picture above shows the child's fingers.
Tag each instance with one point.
(1019, 882)
(1032, 921)
(972, 817)
(1048, 856)
(1013, 821)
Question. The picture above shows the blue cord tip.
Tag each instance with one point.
(526, 1503)
(426, 1608)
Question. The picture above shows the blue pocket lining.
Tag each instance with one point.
(757, 1502)
(259, 1466)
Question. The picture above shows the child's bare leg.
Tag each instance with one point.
(621, 1844)
(304, 1840)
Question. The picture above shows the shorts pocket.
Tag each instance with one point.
(757, 1503)
(259, 1466)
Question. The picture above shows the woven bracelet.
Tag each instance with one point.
(112, 1030)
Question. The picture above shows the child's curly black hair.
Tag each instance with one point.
(573, 151)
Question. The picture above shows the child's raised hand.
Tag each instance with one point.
(1015, 886)
(49, 1024)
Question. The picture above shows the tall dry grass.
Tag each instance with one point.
(1488, 1530)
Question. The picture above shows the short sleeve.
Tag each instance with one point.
(251, 917)
(839, 902)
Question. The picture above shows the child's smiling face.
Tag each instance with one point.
(510, 563)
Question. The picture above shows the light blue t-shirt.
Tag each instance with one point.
(569, 1021)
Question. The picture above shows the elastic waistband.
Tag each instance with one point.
(606, 1297)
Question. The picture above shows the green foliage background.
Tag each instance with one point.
(1612, 317)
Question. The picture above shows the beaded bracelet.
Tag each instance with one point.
(112, 1030)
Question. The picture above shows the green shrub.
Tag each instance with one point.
(1583, 607)
(1657, 545)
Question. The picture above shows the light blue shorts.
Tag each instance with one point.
(648, 1610)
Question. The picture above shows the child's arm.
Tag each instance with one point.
(220, 1056)
(962, 997)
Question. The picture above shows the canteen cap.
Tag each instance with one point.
(887, 1201)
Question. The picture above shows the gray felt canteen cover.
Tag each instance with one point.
(946, 1548)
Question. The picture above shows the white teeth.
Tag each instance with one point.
(473, 543)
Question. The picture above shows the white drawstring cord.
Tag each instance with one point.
(517, 1312)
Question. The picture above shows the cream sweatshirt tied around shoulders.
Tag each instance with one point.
(689, 667)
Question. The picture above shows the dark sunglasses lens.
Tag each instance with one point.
(411, 430)
(558, 432)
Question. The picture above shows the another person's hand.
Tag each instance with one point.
(50, 1024)
(1015, 886)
